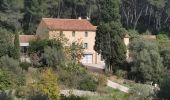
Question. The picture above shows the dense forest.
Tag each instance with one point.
(25, 15)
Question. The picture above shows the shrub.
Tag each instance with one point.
(6, 42)
(121, 73)
(37, 96)
(25, 65)
(10, 80)
(165, 89)
(162, 37)
(147, 63)
(141, 92)
(101, 83)
(72, 97)
(88, 84)
(9, 64)
(47, 85)
(5, 96)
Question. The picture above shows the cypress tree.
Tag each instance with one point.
(16, 46)
(109, 37)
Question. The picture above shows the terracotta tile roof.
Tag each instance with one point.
(69, 24)
(26, 38)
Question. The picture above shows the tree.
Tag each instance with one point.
(11, 15)
(164, 89)
(147, 64)
(52, 57)
(35, 10)
(46, 52)
(165, 54)
(6, 43)
(141, 92)
(10, 74)
(110, 34)
(74, 52)
(144, 15)
(17, 46)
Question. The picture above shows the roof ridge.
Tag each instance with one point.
(64, 19)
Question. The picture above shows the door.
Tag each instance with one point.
(88, 58)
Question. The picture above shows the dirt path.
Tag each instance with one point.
(117, 86)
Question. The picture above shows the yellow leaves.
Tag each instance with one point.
(47, 85)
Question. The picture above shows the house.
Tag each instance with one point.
(24, 43)
(74, 30)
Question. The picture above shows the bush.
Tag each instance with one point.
(141, 92)
(9, 64)
(21, 92)
(88, 84)
(37, 96)
(25, 65)
(72, 97)
(147, 63)
(46, 85)
(102, 82)
(5, 96)
(121, 73)
(162, 37)
(165, 89)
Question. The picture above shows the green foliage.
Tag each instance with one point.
(113, 95)
(165, 54)
(109, 36)
(147, 63)
(46, 52)
(101, 83)
(25, 65)
(5, 42)
(141, 92)
(109, 10)
(5, 96)
(17, 47)
(74, 76)
(6, 80)
(74, 52)
(162, 37)
(102, 98)
(47, 85)
(72, 97)
(11, 14)
(9, 64)
(88, 84)
(164, 89)
(52, 57)
(11, 74)
(37, 96)
(34, 13)
(121, 73)
(133, 34)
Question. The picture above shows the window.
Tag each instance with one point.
(85, 45)
(73, 34)
(86, 34)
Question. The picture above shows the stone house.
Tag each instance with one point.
(73, 30)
